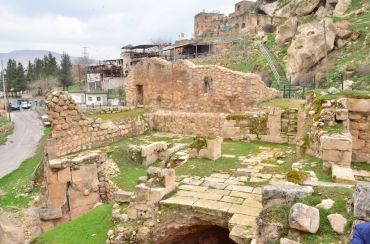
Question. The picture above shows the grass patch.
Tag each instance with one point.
(334, 129)
(240, 67)
(360, 166)
(347, 94)
(4, 136)
(91, 228)
(14, 183)
(283, 103)
(4, 121)
(314, 164)
(112, 116)
(77, 87)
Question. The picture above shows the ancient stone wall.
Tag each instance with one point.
(349, 118)
(71, 131)
(275, 126)
(183, 86)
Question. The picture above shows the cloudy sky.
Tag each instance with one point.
(103, 26)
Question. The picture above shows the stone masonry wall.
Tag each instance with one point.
(217, 124)
(183, 86)
(71, 131)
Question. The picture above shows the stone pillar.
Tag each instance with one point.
(274, 122)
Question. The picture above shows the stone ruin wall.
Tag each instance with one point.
(183, 86)
(352, 145)
(277, 125)
(71, 131)
(69, 184)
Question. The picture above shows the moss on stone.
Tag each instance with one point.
(199, 142)
(297, 177)
(239, 117)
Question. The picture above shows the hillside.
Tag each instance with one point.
(24, 56)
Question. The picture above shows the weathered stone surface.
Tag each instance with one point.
(341, 7)
(85, 172)
(122, 196)
(358, 105)
(361, 202)
(304, 218)
(336, 142)
(267, 231)
(308, 47)
(241, 234)
(337, 222)
(47, 214)
(343, 175)
(325, 204)
(306, 7)
(10, 234)
(287, 31)
(283, 194)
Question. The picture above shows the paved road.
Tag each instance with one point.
(22, 143)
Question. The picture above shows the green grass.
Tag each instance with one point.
(14, 183)
(283, 103)
(314, 164)
(360, 166)
(345, 94)
(113, 116)
(4, 121)
(77, 87)
(3, 137)
(325, 234)
(240, 67)
(334, 129)
(90, 228)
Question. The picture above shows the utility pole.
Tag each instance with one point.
(85, 64)
(326, 57)
(6, 100)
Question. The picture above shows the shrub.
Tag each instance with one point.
(297, 177)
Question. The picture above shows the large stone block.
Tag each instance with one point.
(358, 105)
(337, 142)
(341, 114)
(85, 173)
(122, 196)
(64, 175)
(47, 214)
(304, 218)
(141, 193)
(339, 157)
(361, 202)
(80, 204)
(343, 175)
(283, 194)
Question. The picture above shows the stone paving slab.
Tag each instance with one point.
(248, 170)
(275, 181)
(235, 200)
(242, 178)
(233, 182)
(186, 193)
(242, 209)
(203, 204)
(269, 165)
(245, 195)
(209, 196)
(252, 203)
(343, 175)
(255, 179)
(192, 188)
(241, 219)
(242, 234)
(218, 175)
(184, 201)
(214, 185)
(217, 191)
(257, 190)
(191, 181)
(246, 189)
(212, 179)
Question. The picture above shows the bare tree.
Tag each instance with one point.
(160, 42)
(79, 68)
(43, 85)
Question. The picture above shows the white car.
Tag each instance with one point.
(26, 105)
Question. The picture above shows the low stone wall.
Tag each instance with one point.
(270, 127)
(6, 128)
(71, 131)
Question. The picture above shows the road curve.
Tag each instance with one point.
(28, 129)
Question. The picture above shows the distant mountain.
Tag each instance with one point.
(24, 56)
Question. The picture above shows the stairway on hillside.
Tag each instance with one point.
(279, 73)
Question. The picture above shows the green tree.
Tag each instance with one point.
(20, 83)
(50, 65)
(65, 74)
(11, 74)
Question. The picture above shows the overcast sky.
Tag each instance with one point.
(103, 26)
